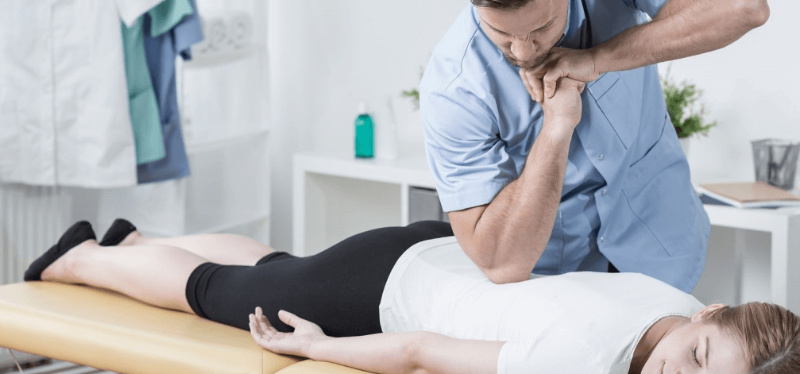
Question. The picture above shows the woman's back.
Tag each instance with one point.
(577, 322)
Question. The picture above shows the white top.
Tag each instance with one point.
(573, 323)
(64, 116)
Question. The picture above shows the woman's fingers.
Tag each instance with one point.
(262, 337)
(261, 318)
(266, 328)
(289, 318)
(259, 313)
(255, 330)
(262, 322)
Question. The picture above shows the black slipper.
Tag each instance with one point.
(76, 234)
(118, 231)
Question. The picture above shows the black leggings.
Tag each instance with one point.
(339, 289)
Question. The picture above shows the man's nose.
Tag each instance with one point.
(522, 50)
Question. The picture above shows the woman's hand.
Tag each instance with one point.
(295, 343)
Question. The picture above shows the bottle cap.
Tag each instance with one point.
(362, 108)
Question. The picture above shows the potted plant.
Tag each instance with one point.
(684, 110)
(413, 95)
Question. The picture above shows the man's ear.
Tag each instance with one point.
(702, 314)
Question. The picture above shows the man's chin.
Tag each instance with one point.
(527, 64)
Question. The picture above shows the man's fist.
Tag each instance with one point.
(541, 81)
(565, 106)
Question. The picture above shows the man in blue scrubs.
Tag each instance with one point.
(548, 134)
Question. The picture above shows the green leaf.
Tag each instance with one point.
(684, 113)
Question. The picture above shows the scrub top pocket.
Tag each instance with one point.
(614, 100)
(654, 200)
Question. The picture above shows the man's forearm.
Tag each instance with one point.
(513, 230)
(682, 28)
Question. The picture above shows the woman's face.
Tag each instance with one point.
(697, 347)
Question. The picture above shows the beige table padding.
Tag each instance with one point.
(110, 331)
(318, 367)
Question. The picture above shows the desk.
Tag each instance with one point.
(784, 227)
(336, 195)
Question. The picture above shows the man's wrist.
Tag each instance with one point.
(598, 54)
(558, 128)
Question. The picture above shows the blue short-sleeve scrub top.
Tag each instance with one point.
(627, 196)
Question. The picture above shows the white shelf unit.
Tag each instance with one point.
(337, 195)
(783, 225)
(223, 99)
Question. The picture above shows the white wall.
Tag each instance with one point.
(328, 55)
(751, 90)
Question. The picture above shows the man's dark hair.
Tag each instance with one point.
(500, 4)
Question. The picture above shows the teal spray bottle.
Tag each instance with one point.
(365, 133)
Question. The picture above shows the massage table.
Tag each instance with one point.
(110, 331)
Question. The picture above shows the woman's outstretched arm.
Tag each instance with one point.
(414, 352)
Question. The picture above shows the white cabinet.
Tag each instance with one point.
(783, 226)
(223, 100)
(337, 195)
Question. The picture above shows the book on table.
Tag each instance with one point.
(747, 195)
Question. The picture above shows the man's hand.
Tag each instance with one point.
(295, 343)
(541, 81)
(565, 106)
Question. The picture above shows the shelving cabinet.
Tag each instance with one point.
(337, 195)
(223, 100)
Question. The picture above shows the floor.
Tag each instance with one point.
(31, 364)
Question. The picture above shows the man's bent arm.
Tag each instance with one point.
(508, 236)
(682, 28)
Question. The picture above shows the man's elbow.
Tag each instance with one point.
(754, 13)
(507, 275)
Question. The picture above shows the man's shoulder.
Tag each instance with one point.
(462, 53)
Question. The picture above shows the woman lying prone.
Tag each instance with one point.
(407, 299)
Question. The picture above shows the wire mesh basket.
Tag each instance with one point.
(776, 161)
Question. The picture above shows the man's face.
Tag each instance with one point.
(526, 35)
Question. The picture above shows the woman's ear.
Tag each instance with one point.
(702, 314)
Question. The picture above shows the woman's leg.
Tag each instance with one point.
(224, 249)
(154, 274)
(340, 288)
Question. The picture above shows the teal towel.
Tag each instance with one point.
(147, 133)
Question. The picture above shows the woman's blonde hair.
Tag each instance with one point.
(770, 335)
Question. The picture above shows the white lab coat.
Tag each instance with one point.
(63, 97)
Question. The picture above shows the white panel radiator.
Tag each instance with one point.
(31, 221)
